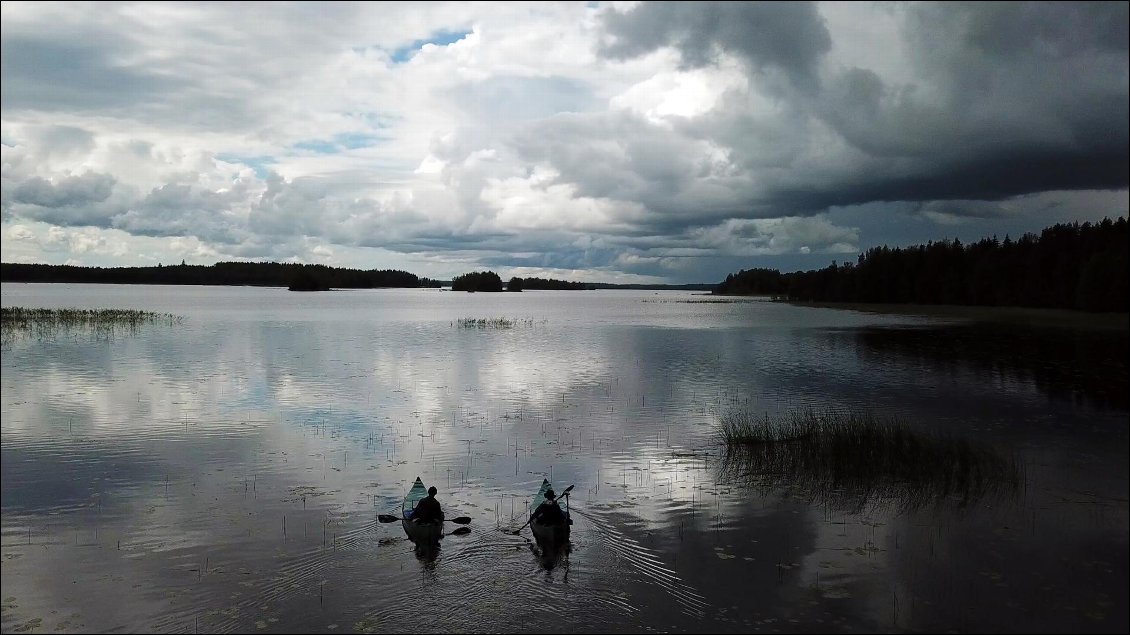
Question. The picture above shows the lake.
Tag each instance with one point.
(225, 473)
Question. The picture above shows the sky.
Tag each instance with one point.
(613, 142)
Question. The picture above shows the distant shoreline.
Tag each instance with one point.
(1061, 318)
(442, 284)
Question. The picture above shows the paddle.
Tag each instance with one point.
(459, 520)
(565, 493)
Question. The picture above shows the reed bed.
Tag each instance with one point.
(857, 460)
(45, 324)
(496, 323)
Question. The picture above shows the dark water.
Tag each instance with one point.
(225, 474)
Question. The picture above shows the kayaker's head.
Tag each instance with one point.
(432, 491)
(549, 495)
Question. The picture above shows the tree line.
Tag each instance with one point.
(1066, 266)
(265, 274)
(491, 282)
(518, 284)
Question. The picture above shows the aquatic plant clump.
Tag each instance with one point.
(496, 323)
(45, 324)
(856, 460)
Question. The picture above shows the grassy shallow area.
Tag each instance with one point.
(16, 322)
(1080, 320)
(496, 323)
(857, 460)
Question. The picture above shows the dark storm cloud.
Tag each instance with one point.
(991, 178)
(1024, 97)
(786, 36)
(1007, 99)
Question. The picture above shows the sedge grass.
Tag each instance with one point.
(45, 324)
(501, 323)
(856, 460)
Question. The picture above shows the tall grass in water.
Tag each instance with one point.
(44, 324)
(494, 323)
(856, 460)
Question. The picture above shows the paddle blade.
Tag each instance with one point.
(460, 520)
(567, 490)
(387, 518)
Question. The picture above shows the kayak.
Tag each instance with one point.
(549, 534)
(428, 532)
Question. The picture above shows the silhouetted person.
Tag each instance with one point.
(428, 508)
(549, 512)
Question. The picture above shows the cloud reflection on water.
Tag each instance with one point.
(264, 416)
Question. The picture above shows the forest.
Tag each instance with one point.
(518, 284)
(1066, 266)
(263, 274)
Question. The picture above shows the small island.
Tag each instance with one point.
(477, 281)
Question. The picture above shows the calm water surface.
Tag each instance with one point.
(225, 474)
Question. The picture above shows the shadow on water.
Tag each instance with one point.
(552, 554)
(1083, 367)
(858, 463)
(426, 551)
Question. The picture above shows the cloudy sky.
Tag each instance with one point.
(617, 142)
